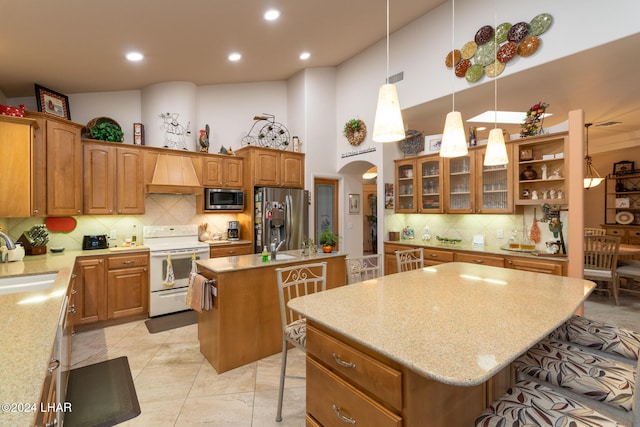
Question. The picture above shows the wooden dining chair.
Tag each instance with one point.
(363, 268)
(293, 282)
(588, 231)
(601, 261)
(410, 259)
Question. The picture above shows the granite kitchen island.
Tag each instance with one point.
(426, 347)
(244, 323)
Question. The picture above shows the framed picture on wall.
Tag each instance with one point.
(388, 195)
(354, 203)
(52, 102)
(623, 167)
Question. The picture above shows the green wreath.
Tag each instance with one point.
(355, 130)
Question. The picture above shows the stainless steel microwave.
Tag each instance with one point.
(223, 199)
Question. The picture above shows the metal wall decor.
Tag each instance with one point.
(491, 49)
(270, 134)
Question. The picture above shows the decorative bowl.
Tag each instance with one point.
(56, 250)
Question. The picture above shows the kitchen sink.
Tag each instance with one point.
(15, 284)
(284, 256)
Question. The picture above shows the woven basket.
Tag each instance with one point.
(86, 131)
(413, 143)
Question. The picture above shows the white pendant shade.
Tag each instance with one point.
(496, 153)
(388, 125)
(454, 141)
(592, 182)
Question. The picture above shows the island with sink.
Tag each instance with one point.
(244, 323)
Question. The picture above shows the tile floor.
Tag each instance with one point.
(177, 387)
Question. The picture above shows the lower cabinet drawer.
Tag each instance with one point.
(127, 261)
(364, 371)
(436, 257)
(332, 401)
(495, 261)
(230, 250)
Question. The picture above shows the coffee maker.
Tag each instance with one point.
(233, 232)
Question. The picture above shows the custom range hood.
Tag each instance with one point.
(174, 174)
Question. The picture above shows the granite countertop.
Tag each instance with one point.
(487, 249)
(28, 323)
(243, 262)
(226, 242)
(456, 323)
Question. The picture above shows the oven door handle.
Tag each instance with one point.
(180, 252)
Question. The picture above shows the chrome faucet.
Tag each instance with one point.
(10, 244)
(275, 247)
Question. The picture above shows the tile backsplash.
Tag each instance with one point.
(161, 209)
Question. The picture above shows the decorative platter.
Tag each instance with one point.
(506, 52)
(483, 35)
(540, 24)
(518, 32)
(624, 217)
(528, 46)
(474, 73)
(469, 49)
(452, 58)
(495, 69)
(486, 54)
(462, 67)
(501, 32)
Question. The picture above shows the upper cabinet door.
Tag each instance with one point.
(99, 176)
(459, 173)
(494, 185)
(64, 168)
(129, 181)
(292, 170)
(267, 168)
(430, 185)
(406, 186)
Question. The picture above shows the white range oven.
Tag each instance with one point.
(181, 241)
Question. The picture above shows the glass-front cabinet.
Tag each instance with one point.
(429, 184)
(475, 188)
(418, 185)
(405, 186)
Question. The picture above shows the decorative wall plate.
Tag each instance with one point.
(518, 32)
(501, 32)
(624, 218)
(474, 73)
(506, 52)
(486, 54)
(469, 49)
(528, 46)
(413, 143)
(540, 24)
(483, 35)
(452, 58)
(462, 67)
(495, 69)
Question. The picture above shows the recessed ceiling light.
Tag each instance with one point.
(272, 14)
(305, 55)
(134, 56)
(235, 56)
(510, 117)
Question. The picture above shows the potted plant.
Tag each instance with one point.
(328, 240)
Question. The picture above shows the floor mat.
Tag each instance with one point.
(172, 321)
(101, 394)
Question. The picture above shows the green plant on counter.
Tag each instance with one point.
(328, 238)
(107, 131)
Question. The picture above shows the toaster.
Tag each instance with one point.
(96, 241)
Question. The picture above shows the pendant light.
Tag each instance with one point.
(496, 153)
(454, 141)
(388, 125)
(591, 178)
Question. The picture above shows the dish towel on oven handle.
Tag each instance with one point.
(170, 278)
(192, 276)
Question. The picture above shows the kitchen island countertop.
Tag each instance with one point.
(243, 262)
(456, 323)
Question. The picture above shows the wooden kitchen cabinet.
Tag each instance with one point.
(90, 297)
(472, 187)
(63, 163)
(483, 259)
(127, 285)
(273, 168)
(113, 179)
(16, 152)
(419, 185)
(406, 187)
(432, 256)
(230, 250)
(349, 384)
(534, 154)
(112, 287)
(223, 171)
(558, 268)
(622, 194)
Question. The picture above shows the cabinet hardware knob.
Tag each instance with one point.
(100, 261)
(73, 292)
(478, 261)
(35, 211)
(144, 269)
(74, 275)
(343, 363)
(72, 309)
(509, 262)
(433, 255)
(342, 417)
(127, 262)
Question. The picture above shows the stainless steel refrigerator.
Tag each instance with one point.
(281, 214)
